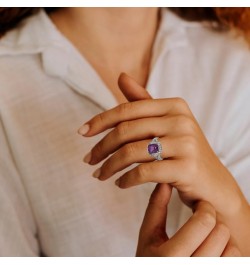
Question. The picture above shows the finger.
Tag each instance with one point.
(131, 89)
(134, 110)
(153, 229)
(231, 251)
(215, 243)
(137, 152)
(131, 131)
(191, 235)
(166, 171)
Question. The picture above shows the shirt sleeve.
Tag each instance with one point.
(17, 225)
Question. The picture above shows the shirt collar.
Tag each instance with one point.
(33, 35)
(59, 58)
(38, 35)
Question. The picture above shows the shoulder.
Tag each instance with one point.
(19, 51)
(210, 61)
(206, 41)
(225, 58)
(214, 44)
(22, 55)
(222, 56)
(204, 50)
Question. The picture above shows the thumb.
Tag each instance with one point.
(131, 89)
(153, 229)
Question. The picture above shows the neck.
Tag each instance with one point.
(119, 39)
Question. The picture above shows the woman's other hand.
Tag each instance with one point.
(200, 236)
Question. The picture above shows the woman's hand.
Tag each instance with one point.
(200, 236)
(189, 163)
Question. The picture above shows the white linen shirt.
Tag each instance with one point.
(49, 203)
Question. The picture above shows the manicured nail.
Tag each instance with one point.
(117, 182)
(84, 129)
(87, 158)
(97, 173)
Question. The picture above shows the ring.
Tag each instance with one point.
(155, 149)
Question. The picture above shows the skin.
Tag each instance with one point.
(200, 236)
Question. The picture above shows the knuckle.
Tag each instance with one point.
(180, 101)
(189, 125)
(122, 129)
(181, 104)
(129, 150)
(190, 146)
(207, 220)
(180, 120)
(124, 109)
(206, 216)
(184, 122)
(101, 117)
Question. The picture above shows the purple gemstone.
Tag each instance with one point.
(153, 148)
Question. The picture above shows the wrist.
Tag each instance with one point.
(227, 197)
(237, 219)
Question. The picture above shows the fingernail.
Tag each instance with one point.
(117, 182)
(97, 173)
(84, 129)
(87, 158)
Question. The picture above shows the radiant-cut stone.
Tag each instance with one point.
(153, 148)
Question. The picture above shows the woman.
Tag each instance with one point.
(62, 69)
